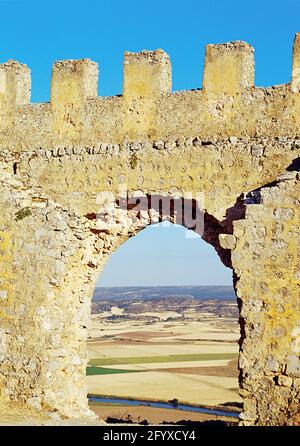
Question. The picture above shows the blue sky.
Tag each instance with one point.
(165, 254)
(39, 32)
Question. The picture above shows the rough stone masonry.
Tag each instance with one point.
(62, 164)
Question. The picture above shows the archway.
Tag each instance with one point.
(180, 336)
(43, 359)
(119, 219)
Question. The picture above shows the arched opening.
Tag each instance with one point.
(164, 332)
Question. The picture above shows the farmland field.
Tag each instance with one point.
(193, 361)
(159, 359)
(105, 371)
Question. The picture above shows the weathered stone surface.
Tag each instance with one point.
(293, 365)
(227, 241)
(285, 381)
(270, 329)
(231, 148)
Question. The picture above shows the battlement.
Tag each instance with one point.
(228, 104)
(146, 74)
(73, 81)
(15, 84)
(296, 65)
(229, 67)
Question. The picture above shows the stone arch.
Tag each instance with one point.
(107, 235)
(225, 140)
(49, 375)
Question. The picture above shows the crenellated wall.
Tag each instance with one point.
(62, 165)
(228, 105)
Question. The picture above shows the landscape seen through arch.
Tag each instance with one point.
(163, 342)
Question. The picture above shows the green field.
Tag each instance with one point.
(100, 371)
(156, 359)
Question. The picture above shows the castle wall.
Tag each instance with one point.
(63, 165)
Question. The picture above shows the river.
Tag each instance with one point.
(161, 405)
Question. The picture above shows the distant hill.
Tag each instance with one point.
(162, 292)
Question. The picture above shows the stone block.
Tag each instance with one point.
(146, 74)
(229, 67)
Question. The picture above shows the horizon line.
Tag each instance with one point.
(154, 286)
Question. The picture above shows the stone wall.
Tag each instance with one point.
(231, 149)
(229, 104)
(265, 258)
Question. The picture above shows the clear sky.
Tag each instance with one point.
(38, 32)
(165, 254)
